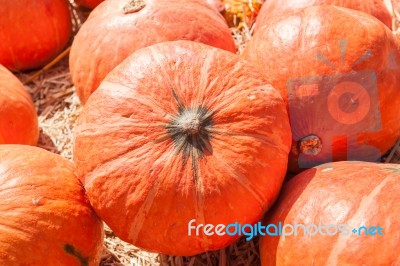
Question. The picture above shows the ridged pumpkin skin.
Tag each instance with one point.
(272, 8)
(33, 32)
(339, 71)
(353, 193)
(18, 118)
(45, 217)
(110, 35)
(181, 131)
(89, 3)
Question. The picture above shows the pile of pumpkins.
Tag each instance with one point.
(176, 126)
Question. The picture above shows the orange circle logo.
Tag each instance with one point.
(348, 102)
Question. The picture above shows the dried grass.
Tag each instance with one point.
(58, 108)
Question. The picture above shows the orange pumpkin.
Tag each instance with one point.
(181, 130)
(45, 217)
(117, 28)
(339, 71)
(272, 8)
(89, 3)
(18, 118)
(335, 199)
(32, 32)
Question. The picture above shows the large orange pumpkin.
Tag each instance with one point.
(273, 8)
(337, 198)
(32, 32)
(45, 217)
(181, 131)
(89, 3)
(117, 28)
(339, 71)
(18, 118)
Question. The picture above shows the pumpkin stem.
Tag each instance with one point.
(134, 6)
(190, 125)
(310, 145)
(189, 130)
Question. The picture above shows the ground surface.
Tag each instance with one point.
(58, 107)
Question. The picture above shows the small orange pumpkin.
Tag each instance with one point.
(181, 130)
(118, 28)
(339, 70)
(272, 8)
(33, 32)
(18, 118)
(45, 217)
(331, 201)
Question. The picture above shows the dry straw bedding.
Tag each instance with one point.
(58, 107)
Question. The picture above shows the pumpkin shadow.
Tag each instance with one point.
(290, 192)
(45, 142)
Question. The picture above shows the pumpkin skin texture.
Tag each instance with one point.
(18, 118)
(33, 32)
(352, 193)
(94, 54)
(272, 8)
(181, 130)
(340, 81)
(89, 3)
(45, 216)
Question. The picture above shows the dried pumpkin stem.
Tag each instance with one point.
(134, 6)
(190, 124)
(310, 145)
(190, 131)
